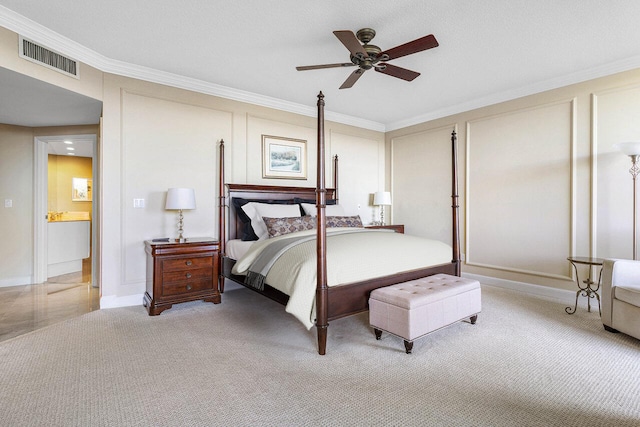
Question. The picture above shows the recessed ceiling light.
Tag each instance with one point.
(68, 142)
(70, 148)
(71, 154)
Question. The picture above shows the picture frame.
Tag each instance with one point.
(284, 158)
(81, 189)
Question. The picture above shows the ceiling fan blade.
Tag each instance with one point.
(399, 72)
(352, 79)
(418, 45)
(350, 41)
(317, 67)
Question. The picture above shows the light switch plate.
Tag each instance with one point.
(138, 203)
(8, 203)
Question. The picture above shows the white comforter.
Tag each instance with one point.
(353, 255)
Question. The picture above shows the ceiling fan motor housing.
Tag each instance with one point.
(372, 58)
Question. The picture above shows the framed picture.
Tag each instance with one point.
(284, 157)
(81, 189)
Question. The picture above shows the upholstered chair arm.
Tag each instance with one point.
(606, 291)
(616, 272)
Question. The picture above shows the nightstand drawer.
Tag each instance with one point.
(180, 276)
(186, 286)
(182, 264)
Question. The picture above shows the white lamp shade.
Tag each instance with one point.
(381, 198)
(630, 148)
(181, 198)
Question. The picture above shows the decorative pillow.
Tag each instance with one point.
(334, 210)
(256, 211)
(344, 221)
(247, 230)
(279, 226)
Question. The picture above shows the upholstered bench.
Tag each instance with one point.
(417, 307)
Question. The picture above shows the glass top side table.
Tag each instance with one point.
(587, 290)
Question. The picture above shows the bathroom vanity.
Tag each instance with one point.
(68, 237)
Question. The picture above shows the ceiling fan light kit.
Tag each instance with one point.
(367, 56)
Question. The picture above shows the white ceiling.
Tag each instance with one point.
(490, 51)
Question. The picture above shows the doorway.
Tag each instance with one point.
(66, 206)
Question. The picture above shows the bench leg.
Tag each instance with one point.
(408, 346)
(378, 333)
(473, 319)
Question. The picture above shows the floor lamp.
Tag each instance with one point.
(632, 149)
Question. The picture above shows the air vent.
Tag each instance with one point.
(33, 52)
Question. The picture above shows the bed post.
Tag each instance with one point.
(222, 227)
(454, 204)
(335, 178)
(322, 292)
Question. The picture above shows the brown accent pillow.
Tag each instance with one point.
(280, 226)
(344, 221)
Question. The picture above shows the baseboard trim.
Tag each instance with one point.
(554, 294)
(123, 301)
(16, 281)
(528, 288)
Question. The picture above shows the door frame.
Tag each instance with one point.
(41, 179)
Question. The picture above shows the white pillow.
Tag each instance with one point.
(330, 210)
(256, 211)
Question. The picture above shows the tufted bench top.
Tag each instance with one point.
(425, 290)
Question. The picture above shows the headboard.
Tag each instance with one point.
(264, 192)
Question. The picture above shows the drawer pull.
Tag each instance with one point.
(188, 262)
(188, 275)
(188, 287)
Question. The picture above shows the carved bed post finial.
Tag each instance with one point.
(221, 216)
(322, 292)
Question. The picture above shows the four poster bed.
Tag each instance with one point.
(342, 293)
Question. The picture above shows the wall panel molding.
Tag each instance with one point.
(520, 193)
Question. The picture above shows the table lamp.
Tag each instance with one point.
(180, 199)
(382, 199)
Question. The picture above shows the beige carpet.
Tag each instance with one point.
(246, 362)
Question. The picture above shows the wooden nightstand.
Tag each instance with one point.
(399, 228)
(180, 272)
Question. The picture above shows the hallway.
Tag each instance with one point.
(29, 307)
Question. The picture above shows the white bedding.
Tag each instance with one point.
(353, 255)
(236, 248)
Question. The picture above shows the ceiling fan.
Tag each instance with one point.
(366, 56)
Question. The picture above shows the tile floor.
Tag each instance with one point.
(29, 307)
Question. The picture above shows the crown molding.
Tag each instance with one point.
(54, 41)
(555, 83)
(38, 33)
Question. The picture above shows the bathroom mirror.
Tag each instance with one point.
(81, 189)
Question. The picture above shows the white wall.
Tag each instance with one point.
(16, 184)
(540, 180)
(155, 137)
